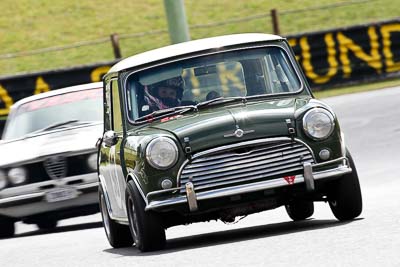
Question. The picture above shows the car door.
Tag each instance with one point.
(111, 169)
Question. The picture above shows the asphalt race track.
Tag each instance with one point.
(371, 123)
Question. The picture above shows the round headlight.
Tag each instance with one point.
(3, 179)
(318, 123)
(17, 175)
(162, 153)
(92, 162)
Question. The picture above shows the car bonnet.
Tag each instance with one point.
(233, 123)
(36, 147)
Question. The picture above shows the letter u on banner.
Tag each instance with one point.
(332, 62)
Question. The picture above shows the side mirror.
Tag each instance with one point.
(110, 138)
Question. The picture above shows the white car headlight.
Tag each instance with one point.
(318, 123)
(162, 153)
(17, 175)
(92, 162)
(3, 179)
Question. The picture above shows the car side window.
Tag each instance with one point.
(116, 107)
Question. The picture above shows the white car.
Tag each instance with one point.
(48, 157)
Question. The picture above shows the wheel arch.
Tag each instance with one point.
(134, 178)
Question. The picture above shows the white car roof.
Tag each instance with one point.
(58, 92)
(191, 47)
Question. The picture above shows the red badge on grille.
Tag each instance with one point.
(290, 179)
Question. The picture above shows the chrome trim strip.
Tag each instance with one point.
(22, 197)
(248, 188)
(161, 192)
(338, 160)
(42, 193)
(106, 197)
(135, 180)
(89, 185)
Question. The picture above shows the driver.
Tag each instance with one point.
(165, 94)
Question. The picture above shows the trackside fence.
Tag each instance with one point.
(329, 58)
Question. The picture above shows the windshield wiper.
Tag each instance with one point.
(221, 100)
(54, 126)
(182, 109)
(169, 111)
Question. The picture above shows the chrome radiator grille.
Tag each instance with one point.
(245, 164)
(56, 167)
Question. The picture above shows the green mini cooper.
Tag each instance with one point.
(215, 129)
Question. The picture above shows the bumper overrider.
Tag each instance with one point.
(48, 196)
(159, 200)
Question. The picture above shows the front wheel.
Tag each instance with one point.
(118, 235)
(345, 197)
(300, 210)
(146, 226)
(7, 228)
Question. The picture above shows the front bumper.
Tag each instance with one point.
(335, 168)
(28, 200)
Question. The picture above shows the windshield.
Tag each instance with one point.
(52, 112)
(242, 73)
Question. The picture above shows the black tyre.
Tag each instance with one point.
(345, 197)
(118, 235)
(47, 224)
(7, 228)
(300, 210)
(146, 226)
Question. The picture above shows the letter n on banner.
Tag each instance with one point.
(373, 60)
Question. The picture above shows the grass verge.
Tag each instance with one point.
(357, 88)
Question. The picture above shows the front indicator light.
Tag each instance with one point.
(166, 184)
(324, 154)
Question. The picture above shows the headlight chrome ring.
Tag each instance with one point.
(318, 123)
(162, 153)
